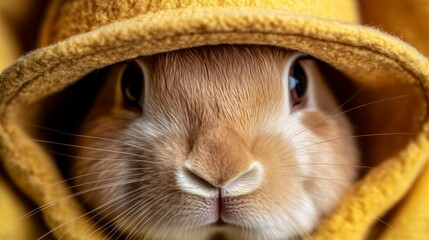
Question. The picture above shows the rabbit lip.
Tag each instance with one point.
(219, 209)
(219, 223)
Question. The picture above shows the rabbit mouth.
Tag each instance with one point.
(219, 223)
(218, 236)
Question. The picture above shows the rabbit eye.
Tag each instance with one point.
(297, 81)
(132, 84)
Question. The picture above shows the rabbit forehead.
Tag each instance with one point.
(221, 81)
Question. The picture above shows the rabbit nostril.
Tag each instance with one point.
(197, 179)
(245, 183)
(189, 180)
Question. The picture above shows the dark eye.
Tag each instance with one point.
(297, 82)
(132, 84)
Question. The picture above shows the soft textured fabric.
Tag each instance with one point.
(105, 32)
(405, 19)
(13, 226)
(12, 204)
(9, 47)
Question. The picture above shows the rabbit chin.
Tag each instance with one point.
(220, 232)
(281, 225)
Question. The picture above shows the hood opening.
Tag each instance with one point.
(385, 115)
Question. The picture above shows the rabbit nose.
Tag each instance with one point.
(196, 183)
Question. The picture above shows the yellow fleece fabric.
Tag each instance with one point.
(80, 36)
(12, 204)
(407, 20)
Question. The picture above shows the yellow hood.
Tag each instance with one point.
(386, 74)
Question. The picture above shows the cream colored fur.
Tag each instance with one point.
(216, 120)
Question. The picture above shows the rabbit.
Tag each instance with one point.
(214, 142)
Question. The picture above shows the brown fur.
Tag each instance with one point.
(217, 109)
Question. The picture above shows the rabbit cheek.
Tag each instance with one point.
(331, 158)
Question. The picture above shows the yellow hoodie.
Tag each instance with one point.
(80, 36)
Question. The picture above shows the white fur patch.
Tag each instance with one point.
(246, 183)
(188, 181)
